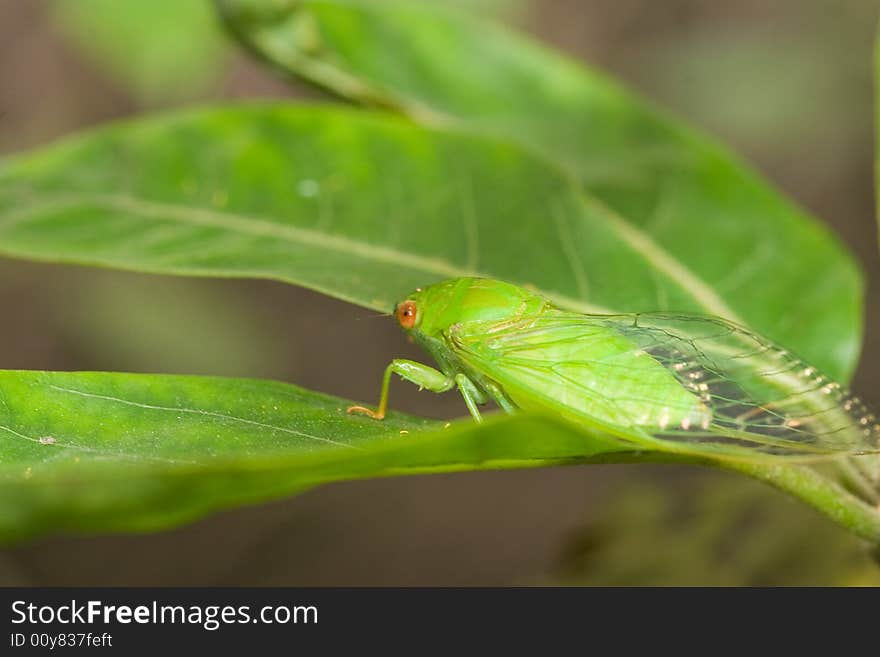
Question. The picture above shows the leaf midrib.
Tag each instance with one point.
(259, 226)
(640, 242)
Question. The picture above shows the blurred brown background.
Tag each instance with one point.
(788, 84)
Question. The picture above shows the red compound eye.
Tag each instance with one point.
(406, 314)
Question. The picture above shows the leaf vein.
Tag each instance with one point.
(198, 411)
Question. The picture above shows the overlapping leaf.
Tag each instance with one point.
(510, 161)
(103, 451)
(703, 219)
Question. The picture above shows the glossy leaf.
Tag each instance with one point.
(366, 208)
(102, 451)
(699, 215)
(513, 163)
(136, 452)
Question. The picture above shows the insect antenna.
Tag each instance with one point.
(376, 316)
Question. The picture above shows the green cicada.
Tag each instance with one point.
(678, 382)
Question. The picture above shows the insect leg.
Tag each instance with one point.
(501, 398)
(422, 375)
(472, 395)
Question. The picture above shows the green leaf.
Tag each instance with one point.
(366, 208)
(682, 200)
(135, 452)
(159, 50)
(580, 192)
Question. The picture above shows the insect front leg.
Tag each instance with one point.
(422, 375)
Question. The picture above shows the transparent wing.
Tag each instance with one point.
(746, 394)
